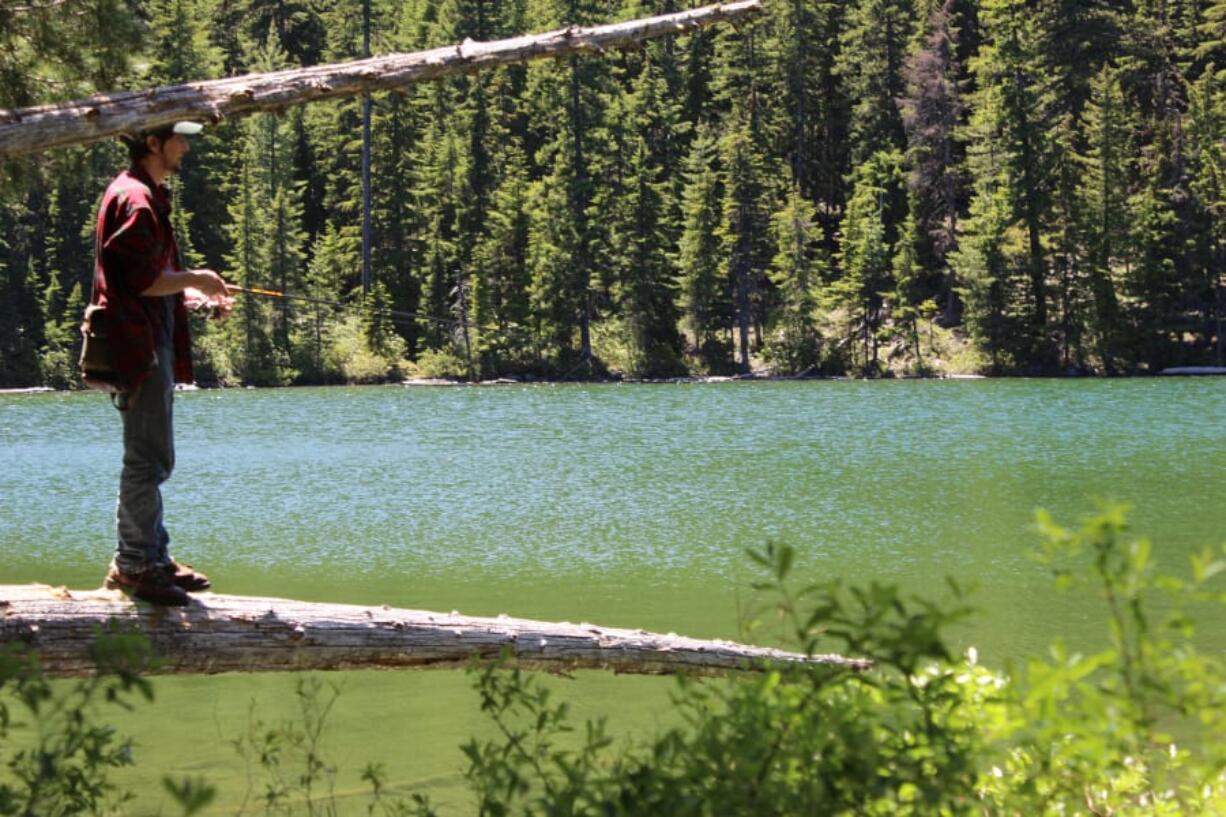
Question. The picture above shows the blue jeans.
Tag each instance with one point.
(148, 459)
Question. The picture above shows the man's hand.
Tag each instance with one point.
(210, 283)
(219, 307)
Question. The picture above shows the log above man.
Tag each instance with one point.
(102, 116)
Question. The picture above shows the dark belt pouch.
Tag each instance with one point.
(97, 358)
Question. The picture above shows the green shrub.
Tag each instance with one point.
(59, 765)
(211, 358)
(790, 740)
(298, 777)
(1135, 729)
(349, 354)
(619, 346)
(435, 364)
(790, 351)
(57, 368)
(924, 732)
(713, 357)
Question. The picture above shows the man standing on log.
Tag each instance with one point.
(140, 283)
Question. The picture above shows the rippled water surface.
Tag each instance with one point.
(625, 505)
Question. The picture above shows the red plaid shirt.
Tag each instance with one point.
(133, 243)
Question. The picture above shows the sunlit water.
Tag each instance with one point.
(623, 505)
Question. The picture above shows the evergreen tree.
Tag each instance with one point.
(569, 101)
(1066, 243)
(64, 272)
(55, 366)
(985, 269)
(179, 46)
(288, 240)
(299, 28)
(332, 261)
(1107, 179)
(439, 188)
(64, 50)
(328, 147)
(1151, 283)
(706, 297)
(641, 214)
(1210, 50)
(247, 330)
(1166, 286)
(802, 56)
(1014, 116)
(797, 272)
(378, 327)
(874, 52)
(1076, 40)
(266, 233)
(468, 113)
(809, 110)
(1150, 73)
(396, 131)
(1207, 140)
(867, 236)
(933, 113)
(559, 274)
(745, 229)
(501, 306)
(747, 187)
(908, 301)
(21, 331)
(698, 53)
(14, 345)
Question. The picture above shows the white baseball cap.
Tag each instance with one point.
(162, 131)
(187, 128)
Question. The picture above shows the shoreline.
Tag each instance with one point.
(754, 377)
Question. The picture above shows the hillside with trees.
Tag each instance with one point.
(869, 187)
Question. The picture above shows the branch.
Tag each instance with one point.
(29, 130)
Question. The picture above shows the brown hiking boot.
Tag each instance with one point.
(190, 580)
(154, 584)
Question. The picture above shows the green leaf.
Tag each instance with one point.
(191, 794)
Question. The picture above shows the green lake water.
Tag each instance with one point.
(617, 504)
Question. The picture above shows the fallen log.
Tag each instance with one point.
(1194, 371)
(219, 633)
(28, 130)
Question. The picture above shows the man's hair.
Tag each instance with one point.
(138, 144)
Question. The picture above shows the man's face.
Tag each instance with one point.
(170, 150)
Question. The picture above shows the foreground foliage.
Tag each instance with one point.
(56, 752)
(1133, 729)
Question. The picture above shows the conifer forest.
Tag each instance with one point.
(860, 187)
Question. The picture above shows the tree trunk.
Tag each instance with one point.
(742, 262)
(242, 634)
(579, 204)
(29, 130)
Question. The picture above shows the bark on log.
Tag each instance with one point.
(28, 130)
(218, 633)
